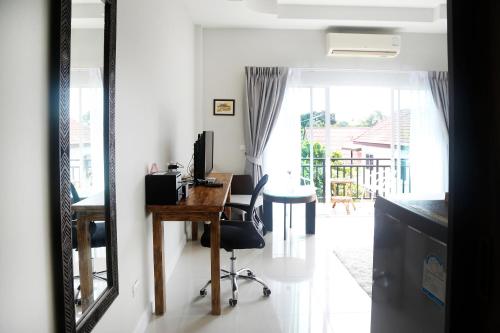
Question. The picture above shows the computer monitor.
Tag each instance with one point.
(203, 155)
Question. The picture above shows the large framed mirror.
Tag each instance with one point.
(82, 160)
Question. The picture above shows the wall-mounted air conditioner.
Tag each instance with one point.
(362, 45)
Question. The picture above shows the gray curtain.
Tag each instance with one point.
(265, 89)
(439, 87)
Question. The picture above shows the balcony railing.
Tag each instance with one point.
(367, 177)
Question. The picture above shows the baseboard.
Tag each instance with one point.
(143, 322)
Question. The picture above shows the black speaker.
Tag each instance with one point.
(163, 188)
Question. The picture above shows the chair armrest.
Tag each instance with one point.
(238, 223)
(240, 206)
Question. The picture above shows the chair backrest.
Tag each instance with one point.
(74, 194)
(258, 191)
(242, 184)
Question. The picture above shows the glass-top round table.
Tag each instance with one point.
(290, 195)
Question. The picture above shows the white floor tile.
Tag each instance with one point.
(311, 290)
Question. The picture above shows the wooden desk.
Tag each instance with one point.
(87, 210)
(204, 204)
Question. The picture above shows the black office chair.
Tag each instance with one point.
(248, 209)
(247, 234)
(75, 197)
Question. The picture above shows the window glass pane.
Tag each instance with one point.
(360, 106)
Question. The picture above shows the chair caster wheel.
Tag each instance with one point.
(233, 302)
(266, 291)
(203, 292)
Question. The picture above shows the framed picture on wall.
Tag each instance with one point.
(224, 107)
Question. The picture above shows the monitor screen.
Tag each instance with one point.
(203, 155)
(209, 151)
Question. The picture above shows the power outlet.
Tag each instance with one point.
(134, 287)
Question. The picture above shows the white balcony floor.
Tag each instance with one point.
(312, 291)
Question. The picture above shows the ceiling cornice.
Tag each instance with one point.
(348, 13)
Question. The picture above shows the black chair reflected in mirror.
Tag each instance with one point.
(238, 234)
(97, 238)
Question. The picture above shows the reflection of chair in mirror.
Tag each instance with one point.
(97, 238)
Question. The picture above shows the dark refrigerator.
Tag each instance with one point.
(409, 266)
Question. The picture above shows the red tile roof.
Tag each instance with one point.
(381, 133)
(340, 137)
(78, 130)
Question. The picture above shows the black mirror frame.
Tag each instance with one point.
(60, 168)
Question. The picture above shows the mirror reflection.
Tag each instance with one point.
(87, 154)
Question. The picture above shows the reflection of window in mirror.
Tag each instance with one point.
(86, 131)
(86, 97)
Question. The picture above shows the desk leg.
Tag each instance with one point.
(215, 264)
(311, 218)
(159, 265)
(284, 221)
(268, 215)
(227, 210)
(194, 230)
(85, 263)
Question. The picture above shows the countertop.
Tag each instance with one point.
(432, 215)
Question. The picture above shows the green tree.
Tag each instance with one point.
(318, 149)
(318, 119)
(342, 123)
(372, 119)
(336, 154)
(318, 165)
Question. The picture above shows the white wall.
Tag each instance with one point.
(26, 302)
(155, 121)
(227, 51)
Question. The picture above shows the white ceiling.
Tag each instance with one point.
(397, 15)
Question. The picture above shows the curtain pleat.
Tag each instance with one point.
(265, 89)
(438, 82)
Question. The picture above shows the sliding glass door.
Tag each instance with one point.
(354, 141)
(359, 135)
(315, 126)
